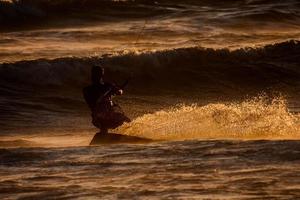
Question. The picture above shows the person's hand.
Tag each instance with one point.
(120, 91)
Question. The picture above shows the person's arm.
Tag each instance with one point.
(119, 89)
(116, 90)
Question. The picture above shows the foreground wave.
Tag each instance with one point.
(184, 170)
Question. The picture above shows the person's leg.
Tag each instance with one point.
(119, 115)
(104, 130)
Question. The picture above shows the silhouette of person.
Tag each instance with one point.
(105, 113)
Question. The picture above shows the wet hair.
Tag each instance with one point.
(97, 73)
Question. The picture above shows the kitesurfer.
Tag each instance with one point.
(106, 114)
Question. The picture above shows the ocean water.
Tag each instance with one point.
(59, 28)
(214, 84)
(213, 169)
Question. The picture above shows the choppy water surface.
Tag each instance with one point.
(52, 29)
(170, 170)
(225, 118)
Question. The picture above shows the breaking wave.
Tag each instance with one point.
(259, 118)
(44, 92)
(256, 68)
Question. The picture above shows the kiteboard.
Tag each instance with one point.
(115, 138)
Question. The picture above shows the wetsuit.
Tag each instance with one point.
(105, 113)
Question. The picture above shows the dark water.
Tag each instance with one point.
(172, 170)
(217, 81)
(57, 28)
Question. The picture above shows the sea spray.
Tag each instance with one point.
(257, 118)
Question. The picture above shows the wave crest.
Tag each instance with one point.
(189, 68)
